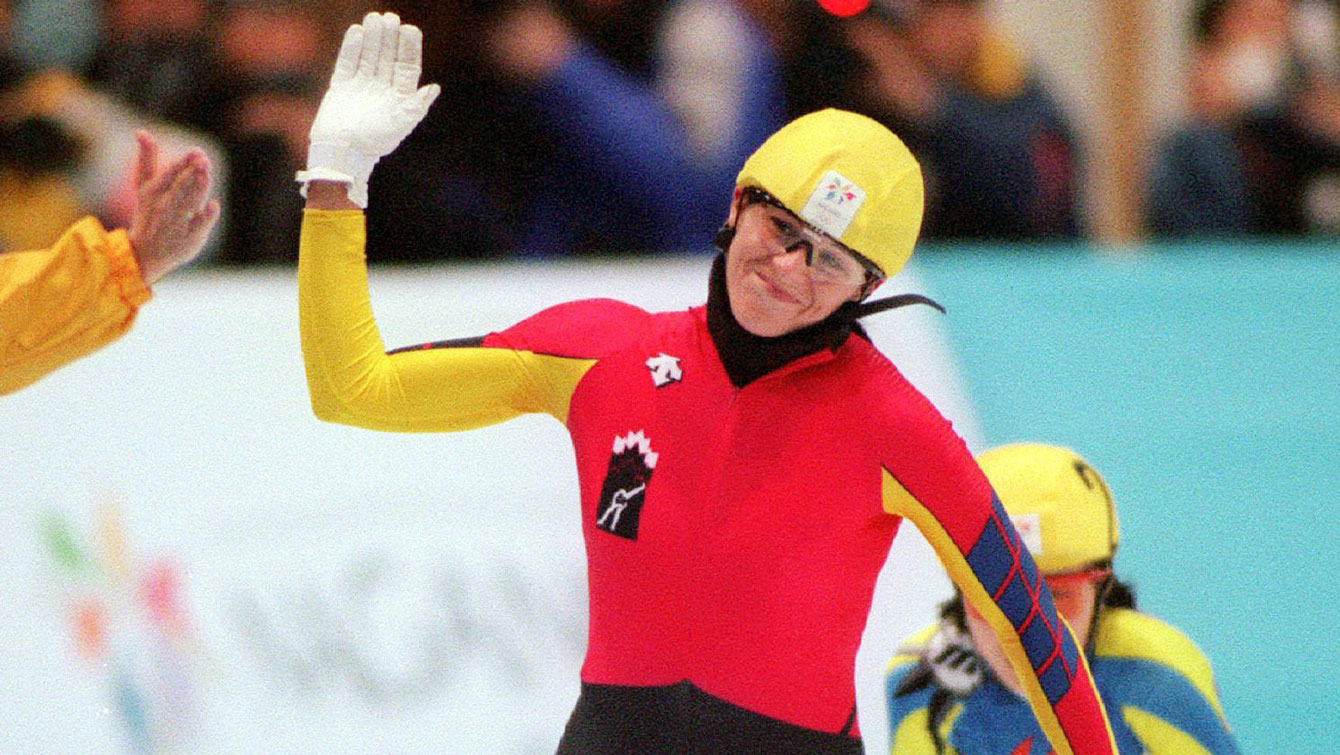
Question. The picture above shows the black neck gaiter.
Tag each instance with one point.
(748, 357)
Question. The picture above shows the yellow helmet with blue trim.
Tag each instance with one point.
(848, 176)
(1059, 504)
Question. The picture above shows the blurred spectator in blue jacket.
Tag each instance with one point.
(1260, 152)
(657, 137)
(998, 152)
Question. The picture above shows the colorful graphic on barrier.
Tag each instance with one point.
(127, 620)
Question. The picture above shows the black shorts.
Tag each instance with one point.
(680, 719)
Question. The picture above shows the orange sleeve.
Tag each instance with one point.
(61, 303)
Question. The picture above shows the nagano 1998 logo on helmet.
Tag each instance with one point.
(833, 204)
(848, 176)
(840, 192)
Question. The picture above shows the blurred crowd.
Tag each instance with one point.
(1260, 151)
(617, 126)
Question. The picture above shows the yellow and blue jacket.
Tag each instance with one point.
(1157, 686)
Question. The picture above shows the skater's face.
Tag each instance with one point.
(782, 275)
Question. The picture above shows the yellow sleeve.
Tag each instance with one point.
(1124, 633)
(1158, 736)
(1075, 721)
(353, 381)
(912, 737)
(61, 303)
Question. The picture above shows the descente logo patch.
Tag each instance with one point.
(664, 370)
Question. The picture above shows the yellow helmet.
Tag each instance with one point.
(847, 176)
(1060, 505)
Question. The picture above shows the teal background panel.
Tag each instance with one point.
(1204, 383)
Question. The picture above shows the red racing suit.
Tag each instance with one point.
(733, 533)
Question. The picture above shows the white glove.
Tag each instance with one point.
(373, 103)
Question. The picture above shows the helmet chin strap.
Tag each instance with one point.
(1099, 600)
(901, 300)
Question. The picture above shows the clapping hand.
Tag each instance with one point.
(173, 214)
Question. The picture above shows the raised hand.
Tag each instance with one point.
(173, 214)
(373, 103)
